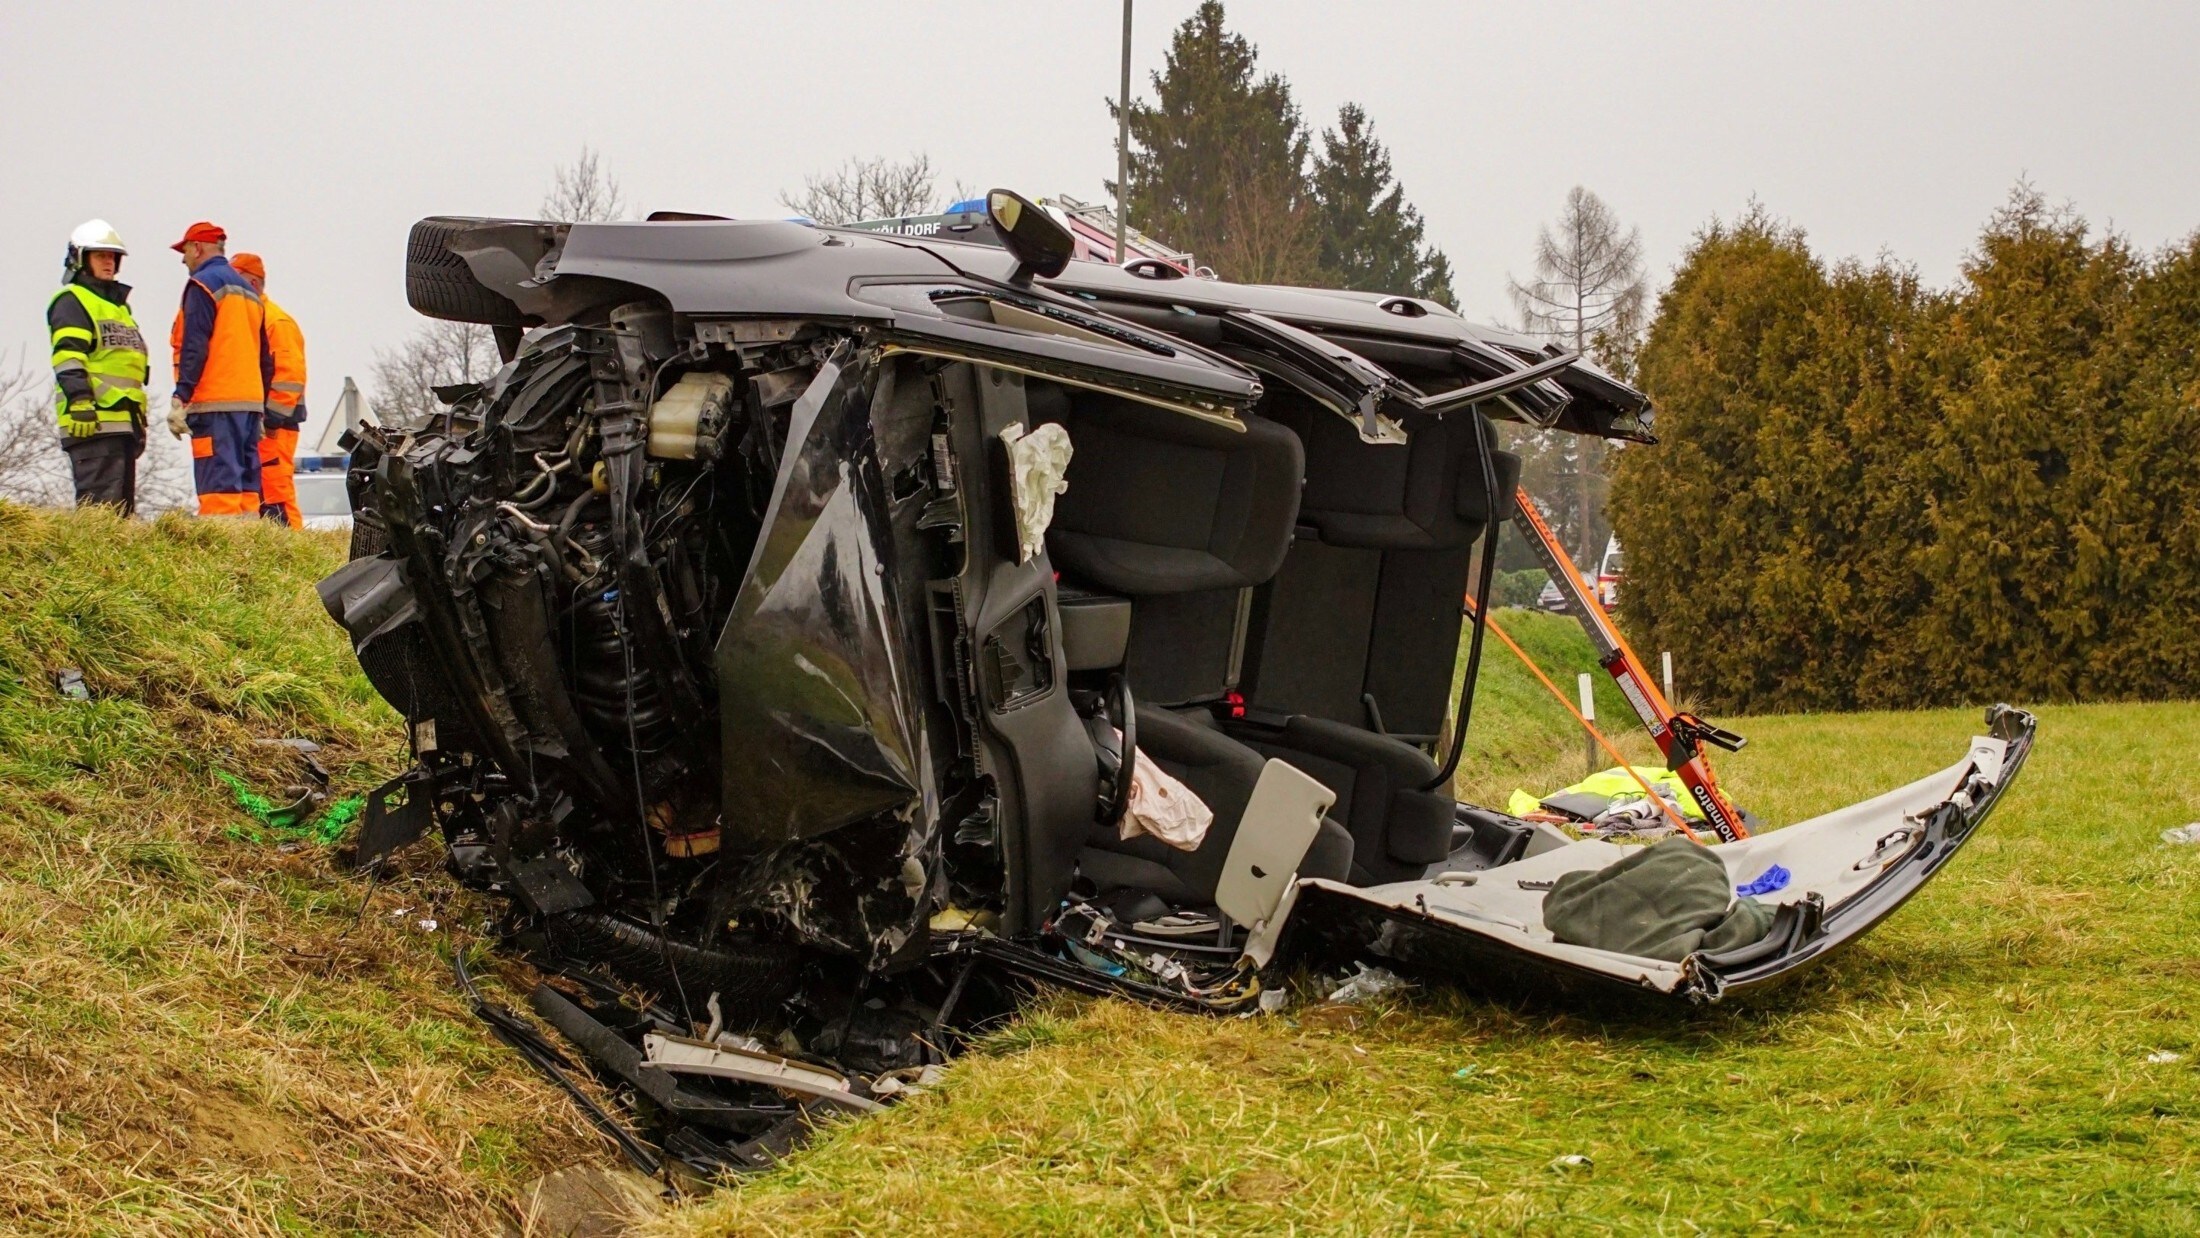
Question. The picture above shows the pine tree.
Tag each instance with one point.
(1369, 238)
(1218, 160)
(2021, 456)
(1692, 512)
(2152, 511)
(1872, 495)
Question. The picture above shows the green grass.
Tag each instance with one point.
(1978, 1063)
(194, 1038)
(1519, 735)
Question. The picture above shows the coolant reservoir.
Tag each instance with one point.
(690, 416)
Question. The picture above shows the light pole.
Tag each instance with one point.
(1123, 135)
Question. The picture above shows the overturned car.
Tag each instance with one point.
(819, 628)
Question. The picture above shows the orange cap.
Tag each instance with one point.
(201, 231)
(248, 264)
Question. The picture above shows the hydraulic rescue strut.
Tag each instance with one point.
(1681, 737)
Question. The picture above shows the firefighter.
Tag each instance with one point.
(286, 401)
(99, 367)
(223, 367)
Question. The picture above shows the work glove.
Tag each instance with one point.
(83, 420)
(177, 412)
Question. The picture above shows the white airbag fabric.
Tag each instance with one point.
(1164, 807)
(1037, 463)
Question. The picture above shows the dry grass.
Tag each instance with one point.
(194, 1036)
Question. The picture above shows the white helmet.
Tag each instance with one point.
(97, 234)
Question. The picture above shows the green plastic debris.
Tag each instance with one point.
(289, 822)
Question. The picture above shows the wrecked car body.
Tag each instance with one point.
(746, 652)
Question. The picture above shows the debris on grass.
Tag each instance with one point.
(69, 682)
(2183, 834)
(1370, 982)
(293, 822)
(1573, 1162)
(2163, 1057)
(909, 1080)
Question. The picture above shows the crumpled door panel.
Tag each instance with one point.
(1849, 869)
(818, 708)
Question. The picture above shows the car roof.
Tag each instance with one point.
(781, 268)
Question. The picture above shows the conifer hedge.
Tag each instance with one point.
(1871, 494)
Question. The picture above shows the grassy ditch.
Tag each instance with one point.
(196, 1035)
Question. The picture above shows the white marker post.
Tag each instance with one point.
(1589, 711)
(1667, 659)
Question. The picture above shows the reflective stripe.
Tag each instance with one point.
(286, 353)
(227, 406)
(231, 290)
(112, 359)
(108, 391)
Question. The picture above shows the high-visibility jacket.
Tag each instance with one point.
(1616, 784)
(286, 389)
(220, 341)
(98, 353)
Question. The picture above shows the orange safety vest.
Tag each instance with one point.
(231, 379)
(288, 344)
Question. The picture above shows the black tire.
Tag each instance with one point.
(744, 973)
(439, 284)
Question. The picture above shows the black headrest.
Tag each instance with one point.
(1162, 502)
(1424, 494)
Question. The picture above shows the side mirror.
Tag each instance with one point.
(1040, 244)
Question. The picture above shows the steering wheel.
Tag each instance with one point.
(1126, 716)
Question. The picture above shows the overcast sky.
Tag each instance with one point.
(316, 133)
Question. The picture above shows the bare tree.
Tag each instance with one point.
(1589, 294)
(164, 480)
(34, 469)
(1269, 234)
(439, 354)
(583, 192)
(404, 378)
(878, 188)
(32, 466)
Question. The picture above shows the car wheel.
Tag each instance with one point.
(439, 284)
